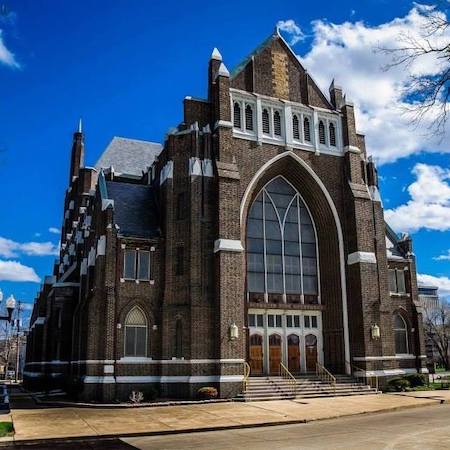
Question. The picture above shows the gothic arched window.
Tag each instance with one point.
(322, 133)
(295, 127)
(332, 135)
(277, 123)
(281, 243)
(307, 129)
(401, 335)
(136, 333)
(249, 118)
(237, 115)
(265, 121)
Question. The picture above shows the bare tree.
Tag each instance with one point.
(437, 329)
(427, 94)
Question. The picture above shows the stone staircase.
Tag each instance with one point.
(308, 386)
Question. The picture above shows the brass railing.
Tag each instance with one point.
(359, 373)
(287, 375)
(325, 375)
(247, 371)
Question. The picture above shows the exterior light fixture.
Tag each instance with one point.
(234, 332)
(375, 331)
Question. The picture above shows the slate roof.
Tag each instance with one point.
(392, 250)
(128, 156)
(135, 209)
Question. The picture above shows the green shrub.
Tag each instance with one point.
(398, 385)
(207, 393)
(6, 428)
(416, 379)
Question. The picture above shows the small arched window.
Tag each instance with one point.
(322, 133)
(401, 335)
(277, 123)
(295, 127)
(332, 135)
(265, 121)
(249, 118)
(136, 333)
(178, 339)
(237, 115)
(307, 129)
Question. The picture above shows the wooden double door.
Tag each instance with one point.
(275, 350)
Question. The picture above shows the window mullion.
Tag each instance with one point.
(300, 250)
(283, 268)
(396, 281)
(264, 245)
(301, 131)
(136, 262)
(271, 130)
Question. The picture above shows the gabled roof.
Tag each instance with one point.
(128, 156)
(135, 210)
(266, 43)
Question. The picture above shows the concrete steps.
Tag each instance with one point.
(278, 388)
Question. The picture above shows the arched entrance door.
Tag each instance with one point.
(274, 354)
(311, 352)
(256, 354)
(294, 353)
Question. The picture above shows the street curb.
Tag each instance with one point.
(24, 442)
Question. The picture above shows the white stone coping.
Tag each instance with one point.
(361, 257)
(228, 245)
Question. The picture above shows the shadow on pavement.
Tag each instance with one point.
(104, 444)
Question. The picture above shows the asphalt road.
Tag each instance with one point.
(418, 428)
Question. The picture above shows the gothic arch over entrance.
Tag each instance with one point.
(333, 297)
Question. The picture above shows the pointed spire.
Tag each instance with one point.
(80, 126)
(216, 54)
(223, 71)
(333, 85)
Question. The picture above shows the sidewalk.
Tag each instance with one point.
(36, 423)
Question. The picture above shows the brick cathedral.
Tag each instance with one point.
(255, 235)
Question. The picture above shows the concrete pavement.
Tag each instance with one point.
(50, 423)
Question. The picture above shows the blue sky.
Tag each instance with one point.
(125, 66)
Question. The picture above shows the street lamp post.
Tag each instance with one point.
(10, 305)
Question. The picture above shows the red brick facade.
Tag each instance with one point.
(204, 180)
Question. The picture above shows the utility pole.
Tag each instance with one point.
(17, 343)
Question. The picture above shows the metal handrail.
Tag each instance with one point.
(287, 375)
(368, 380)
(247, 370)
(325, 375)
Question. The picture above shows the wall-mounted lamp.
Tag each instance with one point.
(375, 331)
(234, 332)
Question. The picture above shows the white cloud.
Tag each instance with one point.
(443, 257)
(6, 56)
(443, 283)
(54, 230)
(292, 29)
(11, 249)
(348, 51)
(429, 205)
(15, 271)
